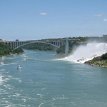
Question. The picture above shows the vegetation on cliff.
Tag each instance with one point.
(99, 61)
(17, 51)
(5, 50)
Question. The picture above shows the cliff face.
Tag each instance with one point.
(99, 61)
(5, 50)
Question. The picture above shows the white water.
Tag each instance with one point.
(87, 52)
(1, 79)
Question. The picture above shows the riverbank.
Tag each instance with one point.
(5, 50)
(100, 61)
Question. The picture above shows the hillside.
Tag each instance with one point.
(5, 50)
(99, 61)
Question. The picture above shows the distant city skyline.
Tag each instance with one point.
(40, 19)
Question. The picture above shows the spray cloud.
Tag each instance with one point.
(87, 52)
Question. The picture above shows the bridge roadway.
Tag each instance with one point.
(53, 42)
(17, 44)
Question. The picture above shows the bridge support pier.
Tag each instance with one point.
(66, 46)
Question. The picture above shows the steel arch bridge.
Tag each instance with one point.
(17, 44)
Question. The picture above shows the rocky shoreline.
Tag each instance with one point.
(100, 61)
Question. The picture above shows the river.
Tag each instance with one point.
(43, 81)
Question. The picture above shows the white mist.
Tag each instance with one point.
(87, 52)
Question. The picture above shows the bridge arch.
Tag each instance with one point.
(32, 42)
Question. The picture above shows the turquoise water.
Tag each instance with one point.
(45, 82)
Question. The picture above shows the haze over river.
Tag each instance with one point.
(43, 81)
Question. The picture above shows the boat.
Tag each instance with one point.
(19, 67)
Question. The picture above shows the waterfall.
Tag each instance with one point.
(87, 52)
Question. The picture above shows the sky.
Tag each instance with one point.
(40, 19)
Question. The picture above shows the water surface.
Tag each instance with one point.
(45, 82)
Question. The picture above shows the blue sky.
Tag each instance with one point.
(38, 19)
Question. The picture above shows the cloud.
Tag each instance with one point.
(43, 13)
(99, 15)
(105, 20)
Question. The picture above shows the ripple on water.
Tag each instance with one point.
(3, 79)
(2, 70)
